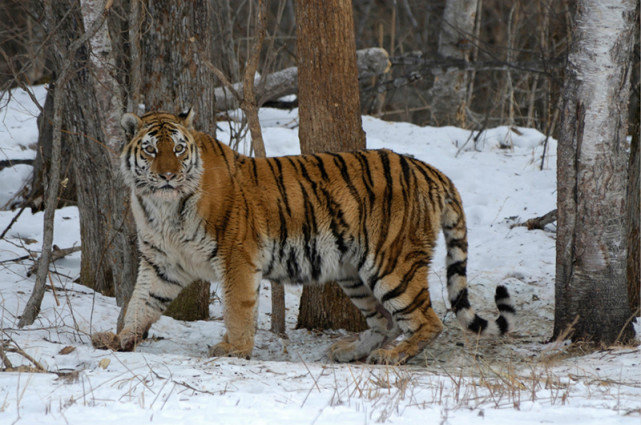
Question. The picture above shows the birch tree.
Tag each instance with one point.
(591, 294)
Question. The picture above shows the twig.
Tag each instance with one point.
(11, 162)
(13, 220)
(5, 359)
(15, 348)
(56, 254)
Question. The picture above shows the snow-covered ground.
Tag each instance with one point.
(518, 379)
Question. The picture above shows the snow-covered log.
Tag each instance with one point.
(371, 62)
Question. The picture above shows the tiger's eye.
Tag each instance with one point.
(179, 149)
(149, 149)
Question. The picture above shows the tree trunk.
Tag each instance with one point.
(108, 251)
(42, 163)
(634, 215)
(176, 40)
(592, 175)
(449, 92)
(330, 120)
(634, 183)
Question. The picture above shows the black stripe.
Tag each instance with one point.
(501, 293)
(458, 243)
(183, 204)
(457, 268)
(305, 173)
(370, 315)
(214, 252)
(477, 325)
(145, 212)
(406, 171)
(421, 300)
(366, 175)
(502, 324)
(506, 308)
(278, 177)
(283, 230)
(387, 200)
(310, 231)
(254, 170)
(355, 284)
(405, 281)
(337, 225)
(162, 300)
(321, 166)
(293, 269)
(160, 273)
(340, 163)
(460, 301)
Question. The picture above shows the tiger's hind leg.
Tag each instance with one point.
(382, 327)
(409, 302)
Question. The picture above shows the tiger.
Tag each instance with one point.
(367, 219)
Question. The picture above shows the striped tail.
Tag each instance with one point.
(453, 223)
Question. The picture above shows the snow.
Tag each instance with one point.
(518, 379)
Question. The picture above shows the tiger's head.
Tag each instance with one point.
(161, 159)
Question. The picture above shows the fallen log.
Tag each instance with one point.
(371, 62)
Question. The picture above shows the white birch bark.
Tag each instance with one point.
(592, 174)
(108, 91)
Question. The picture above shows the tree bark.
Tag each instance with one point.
(330, 120)
(70, 57)
(592, 175)
(449, 93)
(42, 163)
(634, 183)
(633, 271)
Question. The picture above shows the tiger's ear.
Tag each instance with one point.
(130, 123)
(187, 118)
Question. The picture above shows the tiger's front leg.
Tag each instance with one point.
(153, 293)
(240, 287)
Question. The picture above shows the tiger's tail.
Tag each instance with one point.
(454, 228)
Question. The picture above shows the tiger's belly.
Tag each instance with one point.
(309, 260)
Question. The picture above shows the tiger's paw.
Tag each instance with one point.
(352, 348)
(126, 340)
(225, 349)
(392, 357)
(346, 350)
(105, 341)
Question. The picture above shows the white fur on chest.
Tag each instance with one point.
(173, 236)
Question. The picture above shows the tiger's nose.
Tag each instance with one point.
(167, 176)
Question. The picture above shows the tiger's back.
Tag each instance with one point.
(367, 219)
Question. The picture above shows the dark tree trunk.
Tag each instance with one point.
(330, 120)
(591, 290)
